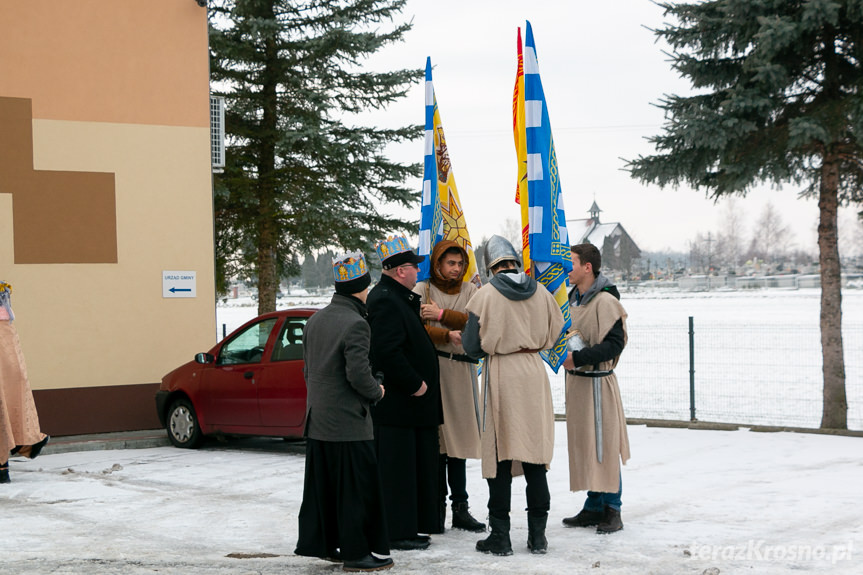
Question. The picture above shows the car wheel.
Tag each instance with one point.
(182, 425)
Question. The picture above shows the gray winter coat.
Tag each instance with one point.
(338, 375)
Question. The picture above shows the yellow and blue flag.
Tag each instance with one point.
(518, 133)
(441, 217)
(543, 219)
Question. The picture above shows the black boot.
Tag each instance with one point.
(611, 521)
(584, 518)
(462, 519)
(498, 542)
(536, 541)
(4, 473)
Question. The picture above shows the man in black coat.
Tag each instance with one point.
(342, 514)
(406, 421)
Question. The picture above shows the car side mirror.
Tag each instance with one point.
(204, 358)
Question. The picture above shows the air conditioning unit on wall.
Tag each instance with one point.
(217, 133)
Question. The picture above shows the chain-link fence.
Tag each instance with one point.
(757, 374)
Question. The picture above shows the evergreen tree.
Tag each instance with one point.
(300, 174)
(310, 272)
(777, 99)
(324, 269)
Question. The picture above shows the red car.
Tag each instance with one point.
(251, 383)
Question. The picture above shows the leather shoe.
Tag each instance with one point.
(334, 556)
(368, 563)
(37, 449)
(413, 544)
(32, 451)
(584, 518)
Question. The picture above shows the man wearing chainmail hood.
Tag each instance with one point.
(596, 438)
(444, 298)
(509, 321)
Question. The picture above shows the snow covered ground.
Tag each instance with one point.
(695, 502)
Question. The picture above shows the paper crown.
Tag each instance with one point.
(395, 251)
(391, 246)
(349, 266)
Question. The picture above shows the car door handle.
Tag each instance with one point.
(249, 375)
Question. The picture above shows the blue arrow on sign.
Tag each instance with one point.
(175, 289)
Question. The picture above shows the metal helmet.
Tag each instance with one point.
(498, 249)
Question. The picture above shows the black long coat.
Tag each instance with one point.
(402, 349)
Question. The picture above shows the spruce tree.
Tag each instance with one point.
(302, 171)
(777, 99)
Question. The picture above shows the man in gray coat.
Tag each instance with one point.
(342, 514)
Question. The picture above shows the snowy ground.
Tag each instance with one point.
(695, 502)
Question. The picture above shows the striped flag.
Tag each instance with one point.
(441, 217)
(543, 217)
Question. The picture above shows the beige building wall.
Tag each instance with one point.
(119, 190)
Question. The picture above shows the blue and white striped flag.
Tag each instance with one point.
(548, 237)
(431, 219)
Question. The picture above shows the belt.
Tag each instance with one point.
(457, 356)
(528, 351)
(590, 373)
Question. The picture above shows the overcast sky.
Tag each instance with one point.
(602, 73)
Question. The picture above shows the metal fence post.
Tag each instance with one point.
(692, 369)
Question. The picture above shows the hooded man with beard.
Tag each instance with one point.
(444, 297)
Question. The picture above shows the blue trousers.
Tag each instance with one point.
(597, 500)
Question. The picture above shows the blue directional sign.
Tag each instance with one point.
(179, 284)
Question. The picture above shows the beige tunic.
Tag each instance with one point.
(519, 418)
(593, 321)
(19, 423)
(459, 435)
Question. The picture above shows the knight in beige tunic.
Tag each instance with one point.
(443, 298)
(518, 414)
(509, 321)
(599, 320)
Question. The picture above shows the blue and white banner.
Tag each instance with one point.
(547, 233)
